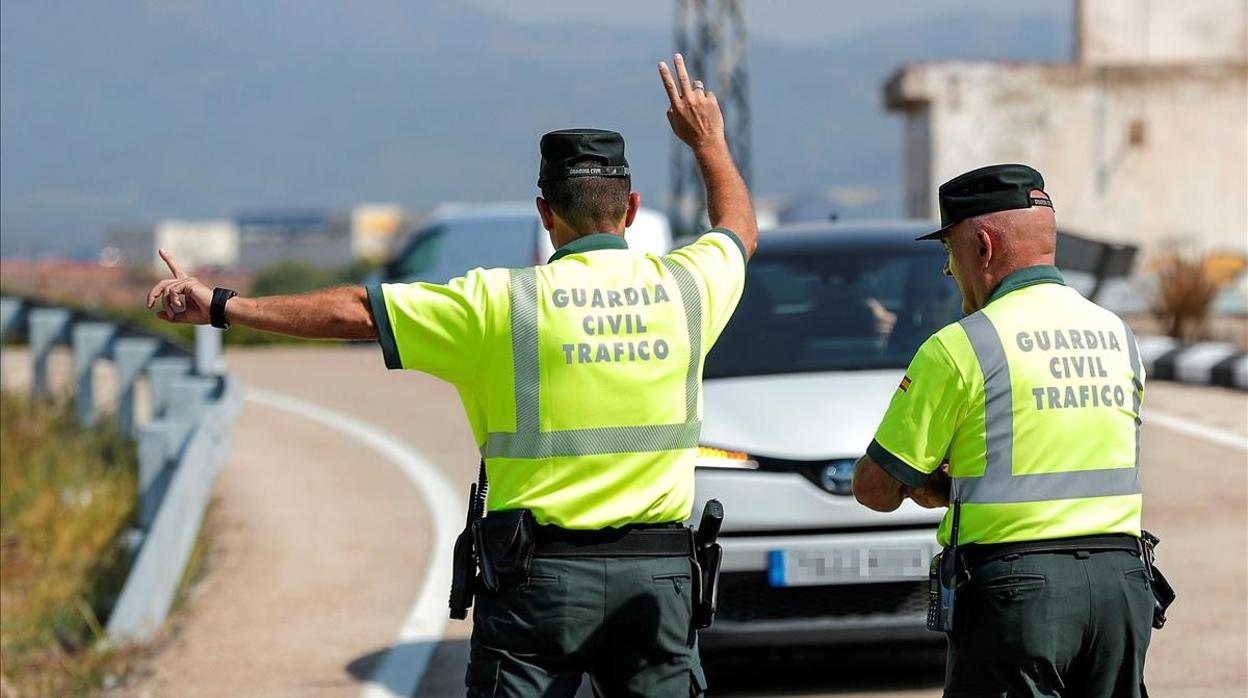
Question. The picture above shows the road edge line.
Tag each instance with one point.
(400, 670)
(1221, 437)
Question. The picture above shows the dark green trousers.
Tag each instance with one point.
(627, 622)
(1070, 624)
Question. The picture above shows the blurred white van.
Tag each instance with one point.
(459, 237)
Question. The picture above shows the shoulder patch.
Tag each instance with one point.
(905, 384)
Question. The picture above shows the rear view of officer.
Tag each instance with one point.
(582, 382)
(1026, 414)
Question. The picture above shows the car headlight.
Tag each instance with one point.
(837, 476)
(710, 457)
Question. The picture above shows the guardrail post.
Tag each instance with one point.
(208, 361)
(11, 311)
(154, 450)
(161, 373)
(131, 355)
(189, 395)
(188, 398)
(12, 315)
(161, 442)
(91, 341)
(48, 327)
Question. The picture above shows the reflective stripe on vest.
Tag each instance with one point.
(999, 484)
(529, 441)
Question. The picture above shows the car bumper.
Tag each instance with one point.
(752, 612)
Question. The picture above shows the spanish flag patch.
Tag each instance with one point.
(905, 383)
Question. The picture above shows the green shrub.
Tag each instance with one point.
(299, 277)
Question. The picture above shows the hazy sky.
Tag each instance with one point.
(793, 22)
(116, 114)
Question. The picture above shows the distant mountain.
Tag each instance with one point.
(115, 114)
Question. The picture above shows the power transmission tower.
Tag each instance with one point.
(711, 33)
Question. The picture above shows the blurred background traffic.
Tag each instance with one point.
(283, 146)
(257, 140)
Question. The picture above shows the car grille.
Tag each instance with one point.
(747, 597)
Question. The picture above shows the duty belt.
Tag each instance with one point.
(650, 540)
(976, 554)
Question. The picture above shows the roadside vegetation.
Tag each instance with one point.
(67, 495)
(1187, 285)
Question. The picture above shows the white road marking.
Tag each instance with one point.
(400, 670)
(1221, 437)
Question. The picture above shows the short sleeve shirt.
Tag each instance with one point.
(717, 261)
(441, 329)
(436, 328)
(927, 409)
(545, 405)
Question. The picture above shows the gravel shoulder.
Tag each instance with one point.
(314, 560)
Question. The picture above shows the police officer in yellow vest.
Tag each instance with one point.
(582, 383)
(1026, 414)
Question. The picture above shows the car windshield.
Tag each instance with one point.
(447, 250)
(834, 309)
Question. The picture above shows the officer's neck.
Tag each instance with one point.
(993, 277)
(562, 234)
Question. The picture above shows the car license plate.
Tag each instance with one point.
(847, 565)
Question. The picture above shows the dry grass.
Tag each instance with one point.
(66, 496)
(1186, 287)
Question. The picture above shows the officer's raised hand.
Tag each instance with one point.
(185, 298)
(694, 115)
(694, 112)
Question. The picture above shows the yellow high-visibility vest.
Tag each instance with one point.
(1035, 402)
(581, 379)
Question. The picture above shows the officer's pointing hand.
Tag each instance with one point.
(185, 298)
(694, 112)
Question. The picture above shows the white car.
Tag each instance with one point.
(794, 389)
(459, 237)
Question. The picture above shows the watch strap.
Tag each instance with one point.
(216, 310)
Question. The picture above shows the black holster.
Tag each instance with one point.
(1163, 593)
(464, 558)
(708, 556)
(504, 542)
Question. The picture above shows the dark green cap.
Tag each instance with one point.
(987, 190)
(562, 148)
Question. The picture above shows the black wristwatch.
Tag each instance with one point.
(216, 311)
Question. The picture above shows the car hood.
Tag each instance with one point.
(808, 416)
(803, 416)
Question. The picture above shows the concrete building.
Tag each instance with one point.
(311, 236)
(374, 229)
(195, 244)
(256, 239)
(1142, 139)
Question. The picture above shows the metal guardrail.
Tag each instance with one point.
(181, 448)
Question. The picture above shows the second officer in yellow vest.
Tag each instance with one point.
(1026, 414)
(582, 383)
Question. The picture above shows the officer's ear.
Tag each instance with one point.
(544, 212)
(634, 203)
(984, 240)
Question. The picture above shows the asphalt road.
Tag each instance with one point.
(314, 620)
